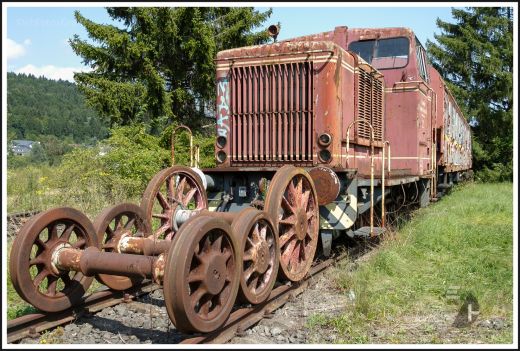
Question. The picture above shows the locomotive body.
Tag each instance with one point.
(305, 101)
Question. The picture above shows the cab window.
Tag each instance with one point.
(421, 60)
(383, 53)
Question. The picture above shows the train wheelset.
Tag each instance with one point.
(205, 261)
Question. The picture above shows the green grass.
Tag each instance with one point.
(31, 188)
(465, 240)
(34, 188)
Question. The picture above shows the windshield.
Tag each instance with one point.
(383, 53)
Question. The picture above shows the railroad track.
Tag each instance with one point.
(32, 324)
(15, 220)
(19, 215)
(240, 320)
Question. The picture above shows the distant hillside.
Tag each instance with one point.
(40, 106)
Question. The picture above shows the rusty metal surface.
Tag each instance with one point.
(455, 136)
(257, 238)
(327, 184)
(155, 247)
(261, 117)
(122, 221)
(274, 52)
(201, 277)
(292, 203)
(171, 188)
(409, 110)
(453, 133)
(272, 113)
(31, 266)
(68, 259)
(274, 100)
(95, 262)
(158, 268)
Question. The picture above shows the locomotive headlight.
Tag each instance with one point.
(325, 156)
(221, 156)
(324, 139)
(221, 141)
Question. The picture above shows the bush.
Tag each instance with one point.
(92, 178)
(498, 173)
(56, 147)
(134, 157)
(122, 164)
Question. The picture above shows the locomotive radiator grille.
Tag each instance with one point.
(370, 105)
(272, 113)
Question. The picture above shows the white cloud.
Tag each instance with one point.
(52, 72)
(14, 50)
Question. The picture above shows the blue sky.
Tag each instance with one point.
(37, 36)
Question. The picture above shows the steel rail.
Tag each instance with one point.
(32, 324)
(243, 318)
(25, 214)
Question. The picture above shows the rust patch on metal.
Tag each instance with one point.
(94, 262)
(158, 269)
(67, 259)
(129, 244)
(327, 184)
(155, 247)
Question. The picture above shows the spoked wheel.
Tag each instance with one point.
(293, 207)
(36, 279)
(257, 240)
(201, 275)
(111, 225)
(170, 189)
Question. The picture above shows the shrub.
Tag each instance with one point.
(124, 163)
(499, 172)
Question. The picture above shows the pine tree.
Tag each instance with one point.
(157, 65)
(475, 57)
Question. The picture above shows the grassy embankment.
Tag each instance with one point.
(416, 285)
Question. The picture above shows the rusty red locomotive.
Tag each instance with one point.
(316, 136)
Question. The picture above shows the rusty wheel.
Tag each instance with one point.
(170, 189)
(112, 224)
(201, 275)
(34, 276)
(257, 240)
(292, 203)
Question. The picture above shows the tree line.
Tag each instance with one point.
(155, 67)
(475, 57)
(37, 106)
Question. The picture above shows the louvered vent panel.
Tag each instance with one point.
(271, 113)
(370, 105)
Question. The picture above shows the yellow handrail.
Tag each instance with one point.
(174, 132)
(383, 181)
(371, 167)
